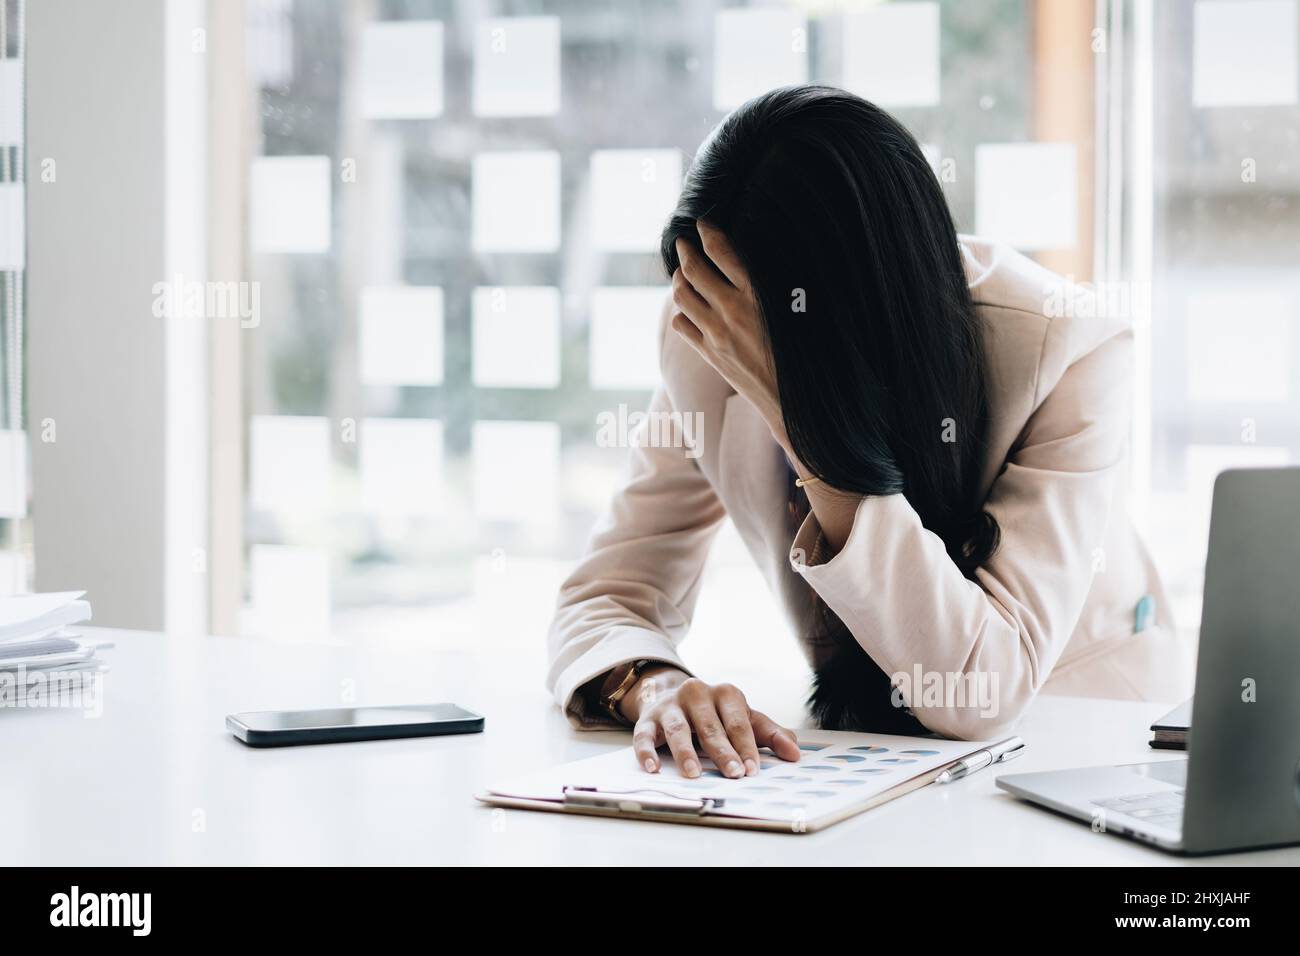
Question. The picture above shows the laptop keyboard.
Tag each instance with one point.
(1162, 808)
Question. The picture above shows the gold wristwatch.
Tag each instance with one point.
(631, 672)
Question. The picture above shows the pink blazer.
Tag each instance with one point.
(1053, 609)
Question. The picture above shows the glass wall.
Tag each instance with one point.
(1225, 276)
(453, 215)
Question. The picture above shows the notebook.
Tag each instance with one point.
(1170, 731)
(838, 775)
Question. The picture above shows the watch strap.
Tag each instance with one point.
(610, 701)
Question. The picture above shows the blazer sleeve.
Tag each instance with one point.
(633, 593)
(895, 588)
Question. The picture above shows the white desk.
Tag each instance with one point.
(158, 780)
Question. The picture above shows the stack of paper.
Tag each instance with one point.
(1170, 731)
(39, 649)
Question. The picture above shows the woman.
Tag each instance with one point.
(917, 435)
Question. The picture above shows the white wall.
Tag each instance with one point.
(114, 494)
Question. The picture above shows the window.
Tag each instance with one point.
(16, 545)
(454, 211)
(1224, 261)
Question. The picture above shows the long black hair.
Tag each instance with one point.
(878, 353)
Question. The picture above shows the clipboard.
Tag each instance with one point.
(838, 776)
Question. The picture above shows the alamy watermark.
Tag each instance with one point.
(133, 911)
(191, 299)
(974, 690)
(1103, 300)
(21, 689)
(622, 428)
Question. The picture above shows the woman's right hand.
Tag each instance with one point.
(668, 706)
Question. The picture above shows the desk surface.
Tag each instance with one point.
(157, 779)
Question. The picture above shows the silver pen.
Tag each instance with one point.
(1009, 749)
(640, 801)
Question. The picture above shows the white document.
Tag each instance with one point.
(47, 661)
(838, 774)
(30, 648)
(29, 616)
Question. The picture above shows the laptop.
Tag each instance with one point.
(1239, 786)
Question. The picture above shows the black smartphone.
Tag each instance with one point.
(287, 728)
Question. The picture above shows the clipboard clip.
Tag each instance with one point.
(640, 801)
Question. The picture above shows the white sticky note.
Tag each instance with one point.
(891, 54)
(401, 70)
(633, 192)
(933, 156)
(755, 51)
(13, 474)
(516, 201)
(290, 592)
(1239, 346)
(1244, 53)
(13, 573)
(1026, 194)
(400, 338)
(517, 66)
(289, 462)
(516, 470)
(11, 102)
(624, 349)
(289, 204)
(13, 228)
(510, 591)
(516, 337)
(401, 466)
(270, 42)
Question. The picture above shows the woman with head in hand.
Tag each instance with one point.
(926, 460)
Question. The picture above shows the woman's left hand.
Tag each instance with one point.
(717, 315)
